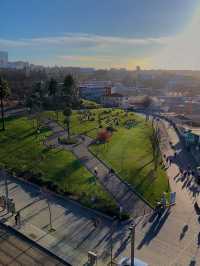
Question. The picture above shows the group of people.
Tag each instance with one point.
(167, 161)
(186, 173)
(110, 171)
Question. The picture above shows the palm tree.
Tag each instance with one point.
(4, 92)
(67, 113)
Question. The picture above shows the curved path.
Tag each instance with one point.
(123, 194)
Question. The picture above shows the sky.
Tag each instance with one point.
(102, 33)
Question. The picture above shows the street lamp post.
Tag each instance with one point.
(4, 175)
(111, 240)
(132, 229)
(46, 194)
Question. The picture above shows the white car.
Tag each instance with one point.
(125, 261)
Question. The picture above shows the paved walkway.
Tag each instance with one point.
(123, 194)
(75, 232)
(17, 251)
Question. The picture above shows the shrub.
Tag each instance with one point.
(104, 135)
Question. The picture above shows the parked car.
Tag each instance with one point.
(125, 261)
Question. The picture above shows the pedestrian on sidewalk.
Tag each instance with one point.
(181, 171)
(96, 171)
(95, 222)
(16, 219)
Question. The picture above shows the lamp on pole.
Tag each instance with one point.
(4, 175)
(132, 229)
(46, 193)
(111, 239)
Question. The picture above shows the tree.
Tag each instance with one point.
(146, 101)
(52, 91)
(104, 135)
(52, 87)
(4, 92)
(67, 113)
(69, 85)
(35, 101)
(70, 91)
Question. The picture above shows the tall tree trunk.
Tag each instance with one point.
(2, 114)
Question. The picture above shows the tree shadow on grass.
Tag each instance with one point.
(148, 179)
(67, 171)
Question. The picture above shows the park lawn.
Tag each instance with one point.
(129, 153)
(22, 149)
(91, 128)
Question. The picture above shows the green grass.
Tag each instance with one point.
(130, 153)
(90, 128)
(90, 104)
(22, 149)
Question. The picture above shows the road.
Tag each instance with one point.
(15, 251)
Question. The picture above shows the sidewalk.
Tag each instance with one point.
(75, 233)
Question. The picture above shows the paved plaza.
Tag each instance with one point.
(16, 251)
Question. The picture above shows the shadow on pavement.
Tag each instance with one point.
(154, 229)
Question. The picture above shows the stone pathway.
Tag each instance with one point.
(123, 194)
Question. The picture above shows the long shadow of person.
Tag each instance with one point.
(192, 262)
(197, 209)
(184, 230)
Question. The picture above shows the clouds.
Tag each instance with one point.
(81, 39)
(84, 49)
(78, 49)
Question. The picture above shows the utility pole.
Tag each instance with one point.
(2, 106)
(45, 192)
(4, 175)
(132, 229)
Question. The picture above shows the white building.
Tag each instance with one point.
(94, 90)
(114, 100)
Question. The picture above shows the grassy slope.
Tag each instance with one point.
(129, 152)
(80, 127)
(22, 149)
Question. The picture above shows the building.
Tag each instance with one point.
(114, 100)
(3, 58)
(95, 90)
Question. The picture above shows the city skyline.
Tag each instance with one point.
(102, 35)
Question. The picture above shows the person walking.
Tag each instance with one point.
(16, 219)
(96, 171)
